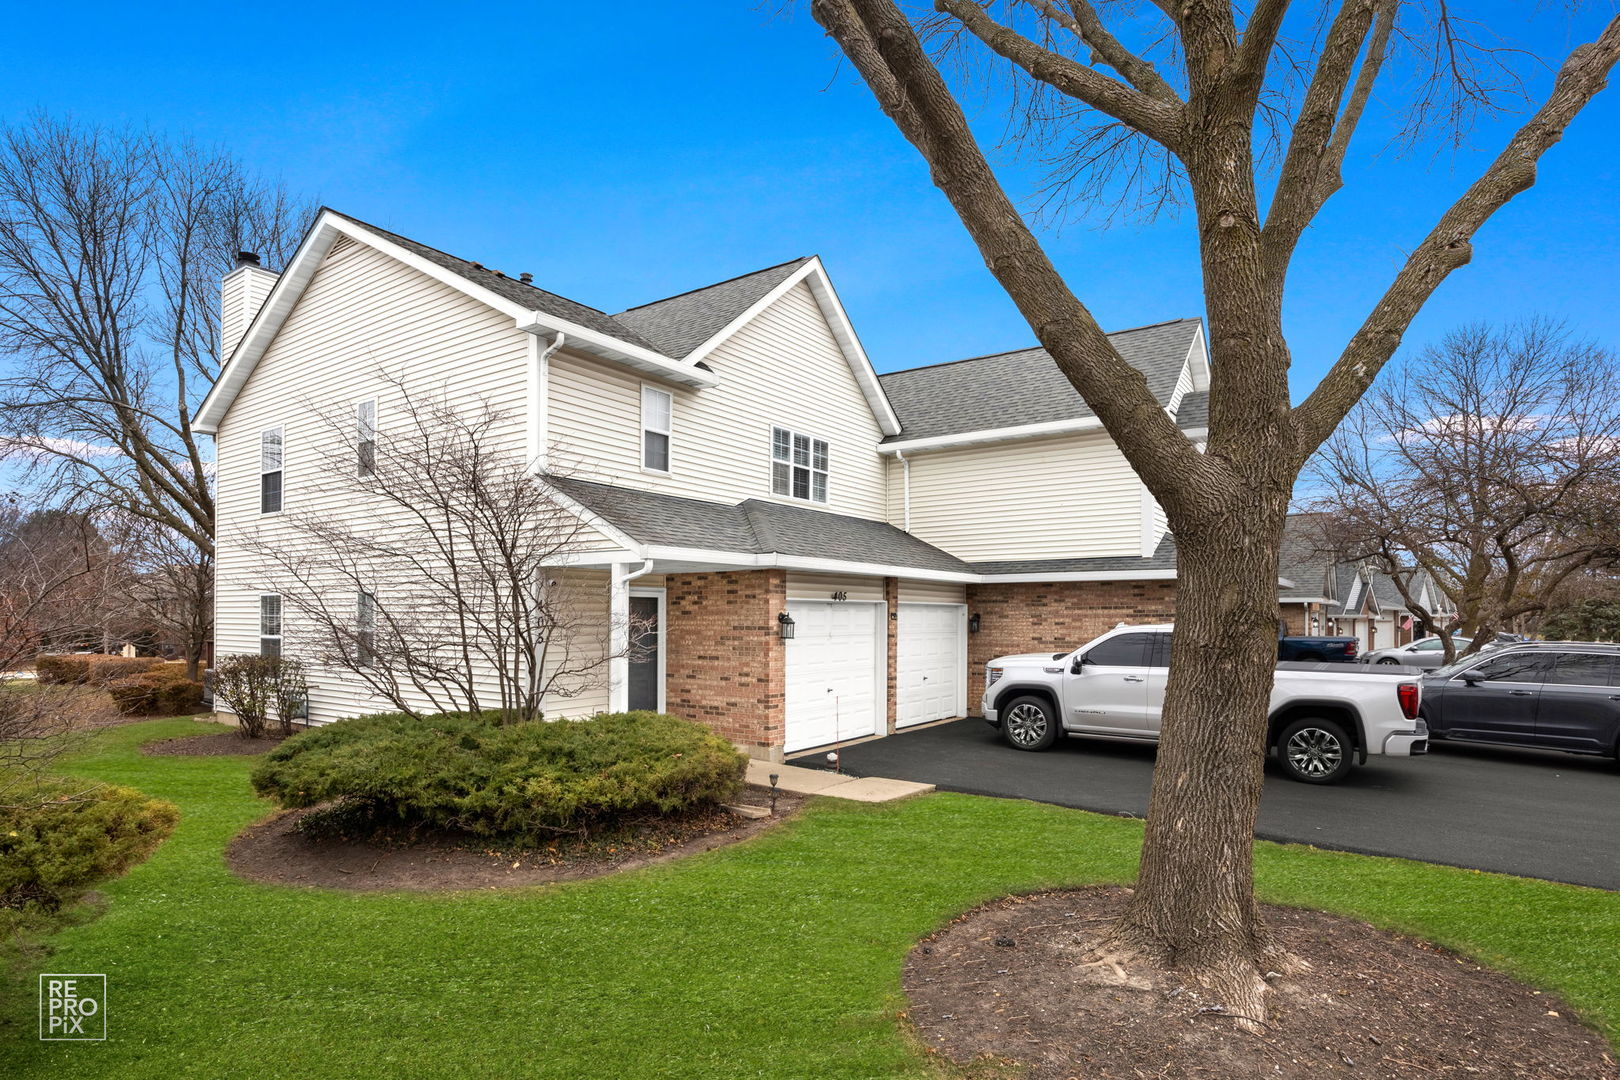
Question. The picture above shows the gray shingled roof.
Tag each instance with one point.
(1163, 558)
(755, 527)
(679, 324)
(529, 296)
(1025, 386)
(1193, 412)
(1306, 559)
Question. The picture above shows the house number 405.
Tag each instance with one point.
(840, 595)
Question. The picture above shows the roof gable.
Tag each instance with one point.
(532, 310)
(680, 324)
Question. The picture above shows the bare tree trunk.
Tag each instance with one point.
(1194, 904)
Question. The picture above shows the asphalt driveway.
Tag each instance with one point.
(1526, 812)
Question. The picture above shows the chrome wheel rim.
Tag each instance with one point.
(1314, 752)
(1026, 724)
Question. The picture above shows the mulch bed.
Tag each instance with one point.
(1003, 985)
(226, 744)
(274, 852)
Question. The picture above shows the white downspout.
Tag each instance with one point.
(619, 633)
(905, 486)
(539, 399)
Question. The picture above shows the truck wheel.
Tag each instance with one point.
(1028, 723)
(1315, 751)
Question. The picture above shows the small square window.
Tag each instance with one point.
(799, 465)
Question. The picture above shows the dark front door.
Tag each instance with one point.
(1580, 703)
(646, 652)
(1496, 699)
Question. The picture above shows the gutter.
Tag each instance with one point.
(905, 465)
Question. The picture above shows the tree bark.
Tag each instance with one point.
(1194, 906)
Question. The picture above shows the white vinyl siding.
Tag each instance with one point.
(364, 324)
(932, 592)
(1059, 497)
(783, 369)
(657, 428)
(822, 586)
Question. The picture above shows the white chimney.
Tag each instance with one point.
(241, 295)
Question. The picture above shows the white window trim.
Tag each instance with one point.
(281, 431)
(773, 461)
(667, 432)
(281, 623)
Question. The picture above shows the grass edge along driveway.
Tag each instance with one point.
(775, 958)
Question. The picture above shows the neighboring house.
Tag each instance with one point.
(1325, 594)
(740, 465)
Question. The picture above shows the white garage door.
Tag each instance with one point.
(832, 673)
(931, 663)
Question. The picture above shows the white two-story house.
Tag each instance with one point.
(826, 553)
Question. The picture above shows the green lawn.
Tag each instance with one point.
(776, 958)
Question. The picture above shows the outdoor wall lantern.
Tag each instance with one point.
(973, 623)
(784, 626)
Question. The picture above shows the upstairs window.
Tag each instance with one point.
(657, 424)
(270, 625)
(270, 456)
(365, 437)
(365, 628)
(798, 465)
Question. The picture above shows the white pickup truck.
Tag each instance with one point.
(1324, 717)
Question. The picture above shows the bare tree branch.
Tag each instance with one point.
(1450, 244)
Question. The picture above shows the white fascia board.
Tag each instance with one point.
(1199, 347)
(815, 275)
(581, 339)
(1008, 434)
(1082, 575)
(989, 435)
(809, 564)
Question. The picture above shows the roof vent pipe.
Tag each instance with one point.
(526, 278)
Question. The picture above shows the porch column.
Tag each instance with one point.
(619, 638)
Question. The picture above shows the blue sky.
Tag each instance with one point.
(622, 154)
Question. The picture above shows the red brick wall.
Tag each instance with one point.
(891, 596)
(726, 660)
(1055, 616)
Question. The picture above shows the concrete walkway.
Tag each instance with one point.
(801, 781)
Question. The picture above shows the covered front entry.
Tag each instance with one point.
(931, 663)
(834, 672)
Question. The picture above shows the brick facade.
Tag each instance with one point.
(726, 662)
(891, 598)
(1027, 617)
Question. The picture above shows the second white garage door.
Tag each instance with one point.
(931, 663)
(832, 672)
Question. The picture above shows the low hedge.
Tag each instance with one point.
(162, 691)
(94, 669)
(64, 839)
(525, 781)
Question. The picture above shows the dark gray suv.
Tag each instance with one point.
(1548, 694)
